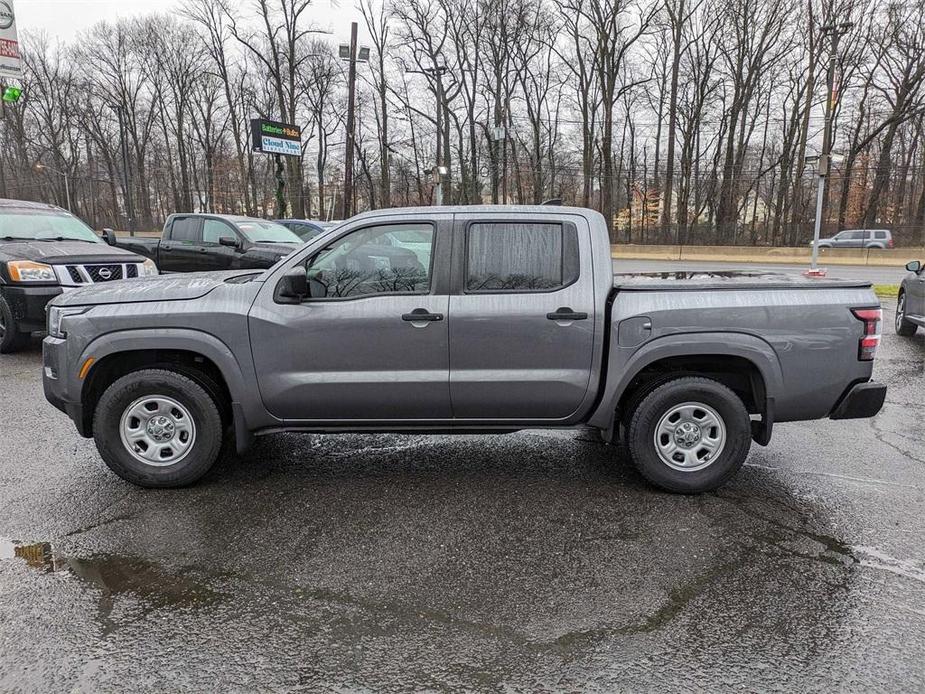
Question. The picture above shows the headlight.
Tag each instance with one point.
(148, 268)
(27, 271)
(56, 314)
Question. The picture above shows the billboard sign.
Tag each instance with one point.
(270, 137)
(10, 60)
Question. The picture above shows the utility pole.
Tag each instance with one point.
(440, 170)
(835, 31)
(351, 122)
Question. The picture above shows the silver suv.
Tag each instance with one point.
(858, 238)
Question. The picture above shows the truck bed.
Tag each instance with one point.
(729, 279)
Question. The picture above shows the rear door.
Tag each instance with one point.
(522, 317)
(181, 248)
(849, 239)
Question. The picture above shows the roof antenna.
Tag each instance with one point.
(553, 201)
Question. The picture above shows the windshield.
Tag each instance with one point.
(44, 224)
(256, 230)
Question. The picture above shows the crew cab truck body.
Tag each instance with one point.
(212, 242)
(507, 318)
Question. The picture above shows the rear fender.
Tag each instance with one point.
(625, 364)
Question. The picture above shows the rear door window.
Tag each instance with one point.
(520, 256)
(185, 230)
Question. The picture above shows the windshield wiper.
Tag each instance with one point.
(16, 238)
(62, 238)
(274, 241)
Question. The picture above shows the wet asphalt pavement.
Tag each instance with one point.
(528, 562)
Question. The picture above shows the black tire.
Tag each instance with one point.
(118, 397)
(903, 327)
(11, 339)
(645, 420)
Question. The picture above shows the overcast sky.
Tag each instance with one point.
(65, 19)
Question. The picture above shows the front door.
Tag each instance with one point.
(215, 256)
(522, 333)
(371, 341)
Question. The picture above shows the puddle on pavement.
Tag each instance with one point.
(117, 576)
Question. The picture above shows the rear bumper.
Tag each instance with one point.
(862, 400)
(28, 305)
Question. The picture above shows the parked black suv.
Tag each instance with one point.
(44, 251)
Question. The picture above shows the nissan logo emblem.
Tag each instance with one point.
(6, 14)
(105, 273)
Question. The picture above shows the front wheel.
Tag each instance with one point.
(689, 435)
(157, 428)
(11, 339)
(903, 327)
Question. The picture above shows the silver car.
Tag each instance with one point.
(910, 306)
(858, 238)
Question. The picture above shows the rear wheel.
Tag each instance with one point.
(689, 435)
(11, 339)
(903, 326)
(157, 428)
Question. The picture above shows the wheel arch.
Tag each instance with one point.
(745, 363)
(200, 356)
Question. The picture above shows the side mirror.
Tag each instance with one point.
(109, 236)
(293, 287)
(914, 266)
(229, 241)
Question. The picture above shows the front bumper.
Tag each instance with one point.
(862, 400)
(61, 389)
(28, 304)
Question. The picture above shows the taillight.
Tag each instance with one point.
(867, 345)
(889, 243)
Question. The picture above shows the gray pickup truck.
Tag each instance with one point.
(495, 319)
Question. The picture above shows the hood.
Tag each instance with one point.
(61, 252)
(182, 287)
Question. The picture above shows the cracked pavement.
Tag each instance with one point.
(537, 561)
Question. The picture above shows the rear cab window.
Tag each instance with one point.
(516, 257)
(185, 230)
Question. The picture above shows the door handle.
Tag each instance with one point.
(565, 313)
(421, 314)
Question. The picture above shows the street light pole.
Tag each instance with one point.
(63, 174)
(353, 54)
(824, 163)
(351, 123)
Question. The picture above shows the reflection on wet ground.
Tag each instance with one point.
(114, 576)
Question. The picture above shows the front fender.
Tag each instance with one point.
(239, 377)
(624, 364)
